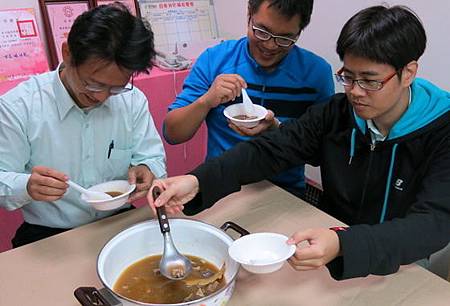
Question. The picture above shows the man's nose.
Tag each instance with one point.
(356, 90)
(270, 44)
(102, 95)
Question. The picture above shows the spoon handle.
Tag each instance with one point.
(77, 187)
(161, 212)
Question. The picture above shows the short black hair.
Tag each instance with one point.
(113, 34)
(387, 35)
(288, 8)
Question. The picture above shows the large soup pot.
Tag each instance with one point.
(145, 239)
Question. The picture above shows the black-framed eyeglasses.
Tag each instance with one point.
(113, 90)
(280, 41)
(371, 85)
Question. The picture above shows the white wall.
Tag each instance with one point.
(330, 15)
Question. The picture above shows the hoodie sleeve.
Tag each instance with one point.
(382, 248)
(295, 143)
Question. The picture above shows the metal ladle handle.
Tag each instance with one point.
(161, 212)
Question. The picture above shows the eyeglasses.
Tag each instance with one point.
(371, 85)
(280, 41)
(113, 90)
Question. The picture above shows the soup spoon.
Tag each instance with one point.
(91, 195)
(173, 265)
(248, 104)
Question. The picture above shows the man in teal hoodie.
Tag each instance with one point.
(383, 148)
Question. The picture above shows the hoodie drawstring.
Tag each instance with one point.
(352, 146)
(388, 183)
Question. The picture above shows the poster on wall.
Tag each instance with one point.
(21, 50)
(130, 4)
(58, 17)
(178, 22)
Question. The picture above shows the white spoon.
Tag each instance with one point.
(91, 195)
(248, 104)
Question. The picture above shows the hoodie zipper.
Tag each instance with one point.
(366, 181)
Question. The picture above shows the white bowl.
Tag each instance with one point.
(261, 252)
(237, 109)
(120, 186)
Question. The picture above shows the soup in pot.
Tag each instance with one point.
(143, 282)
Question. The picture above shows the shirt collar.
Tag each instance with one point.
(375, 134)
(65, 102)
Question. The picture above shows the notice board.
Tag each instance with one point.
(177, 21)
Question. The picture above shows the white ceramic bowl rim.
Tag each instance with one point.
(131, 188)
(240, 242)
(261, 116)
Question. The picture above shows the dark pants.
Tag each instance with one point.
(28, 233)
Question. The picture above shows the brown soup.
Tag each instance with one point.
(244, 117)
(143, 282)
(114, 193)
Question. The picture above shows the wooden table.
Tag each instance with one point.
(48, 271)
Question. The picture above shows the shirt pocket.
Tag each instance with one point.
(117, 165)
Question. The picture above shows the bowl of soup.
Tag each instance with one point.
(128, 266)
(237, 115)
(119, 190)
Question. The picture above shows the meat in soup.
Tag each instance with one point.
(143, 282)
(244, 117)
(114, 193)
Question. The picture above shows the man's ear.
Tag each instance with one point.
(65, 53)
(409, 73)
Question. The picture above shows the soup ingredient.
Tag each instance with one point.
(208, 278)
(114, 193)
(136, 283)
(244, 117)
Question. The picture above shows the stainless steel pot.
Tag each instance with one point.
(144, 239)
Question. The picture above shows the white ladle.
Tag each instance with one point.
(248, 104)
(91, 195)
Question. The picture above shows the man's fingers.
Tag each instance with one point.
(132, 176)
(49, 172)
(300, 236)
(303, 267)
(50, 191)
(136, 196)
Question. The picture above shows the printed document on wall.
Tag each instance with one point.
(21, 51)
(180, 22)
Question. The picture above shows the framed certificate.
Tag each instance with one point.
(21, 51)
(132, 5)
(58, 17)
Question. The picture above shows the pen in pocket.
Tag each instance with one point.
(111, 146)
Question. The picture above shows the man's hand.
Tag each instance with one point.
(176, 191)
(323, 247)
(269, 122)
(226, 87)
(46, 184)
(143, 178)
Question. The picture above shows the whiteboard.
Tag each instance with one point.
(175, 21)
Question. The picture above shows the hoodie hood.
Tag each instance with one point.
(428, 102)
